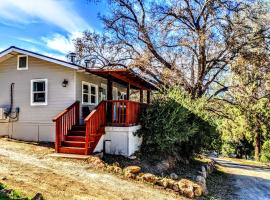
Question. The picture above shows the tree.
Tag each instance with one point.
(247, 102)
(185, 42)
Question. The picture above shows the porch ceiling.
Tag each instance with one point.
(124, 76)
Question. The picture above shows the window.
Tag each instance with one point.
(103, 92)
(89, 93)
(123, 96)
(22, 63)
(39, 92)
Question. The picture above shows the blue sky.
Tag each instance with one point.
(47, 26)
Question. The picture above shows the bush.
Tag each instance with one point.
(168, 128)
(266, 151)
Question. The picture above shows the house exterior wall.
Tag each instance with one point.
(96, 80)
(35, 122)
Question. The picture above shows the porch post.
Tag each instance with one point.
(109, 97)
(128, 91)
(148, 96)
(141, 95)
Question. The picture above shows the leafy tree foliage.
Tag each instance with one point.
(266, 151)
(172, 126)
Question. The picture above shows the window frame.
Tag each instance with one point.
(89, 93)
(32, 93)
(18, 62)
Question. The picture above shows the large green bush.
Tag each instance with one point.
(266, 151)
(169, 128)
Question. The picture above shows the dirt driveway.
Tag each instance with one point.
(252, 182)
(28, 168)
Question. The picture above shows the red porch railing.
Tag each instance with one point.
(64, 122)
(124, 112)
(95, 126)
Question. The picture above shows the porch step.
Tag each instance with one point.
(76, 133)
(72, 150)
(75, 138)
(73, 144)
(78, 128)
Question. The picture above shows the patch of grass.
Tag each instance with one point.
(220, 186)
(13, 195)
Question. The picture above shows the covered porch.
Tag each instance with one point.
(73, 137)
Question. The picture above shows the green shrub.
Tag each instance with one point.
(168, 128)
(266, 151)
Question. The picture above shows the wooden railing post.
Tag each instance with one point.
(127, 113)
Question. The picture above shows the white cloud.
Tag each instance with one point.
(61, 43)
(59, 13)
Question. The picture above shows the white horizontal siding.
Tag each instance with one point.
(59, 97)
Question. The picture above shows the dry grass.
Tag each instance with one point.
(27, 168)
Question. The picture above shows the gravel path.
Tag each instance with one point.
(252, 182)
(26, 167)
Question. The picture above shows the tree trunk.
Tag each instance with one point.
(257, 146)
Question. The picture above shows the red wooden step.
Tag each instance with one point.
(75, 138)
(76, 133)
(72, 150)
(79, 127)
(73, 144)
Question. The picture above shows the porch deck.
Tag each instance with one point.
(82, 139)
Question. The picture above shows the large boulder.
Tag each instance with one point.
(133, 169)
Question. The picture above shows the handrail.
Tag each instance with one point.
(94, 122)
(124, 112)
(65, 111)
(64, 122)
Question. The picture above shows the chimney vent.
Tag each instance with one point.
(87, 63)
(71, 57)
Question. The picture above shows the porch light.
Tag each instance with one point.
(65, 83)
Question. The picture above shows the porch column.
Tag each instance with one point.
(141, 95)
(128, 91)
(109, 97)
(109, 88)
(148, 96)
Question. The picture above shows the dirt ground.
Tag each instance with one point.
(251, 180)
(28, 168)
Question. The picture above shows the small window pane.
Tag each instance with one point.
(22, 62)
(93, 99)
(93, 90)
(85, 89)
(85, 98)
(39, 86)
(39, 97)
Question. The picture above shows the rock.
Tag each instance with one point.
(96, 162)
(133, 169)
(204, 174)
(5, 192)
(117, 169)
(132, 157)
(202, 182)
(127, 174)
(186, 188)
(198, 190)
(164, 165)
(174, 176)
(151, 178)
(4, 178)
(38, 196)
(175, 187)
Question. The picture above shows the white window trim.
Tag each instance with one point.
(90, 85)
(46, 93)
(18, 59)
